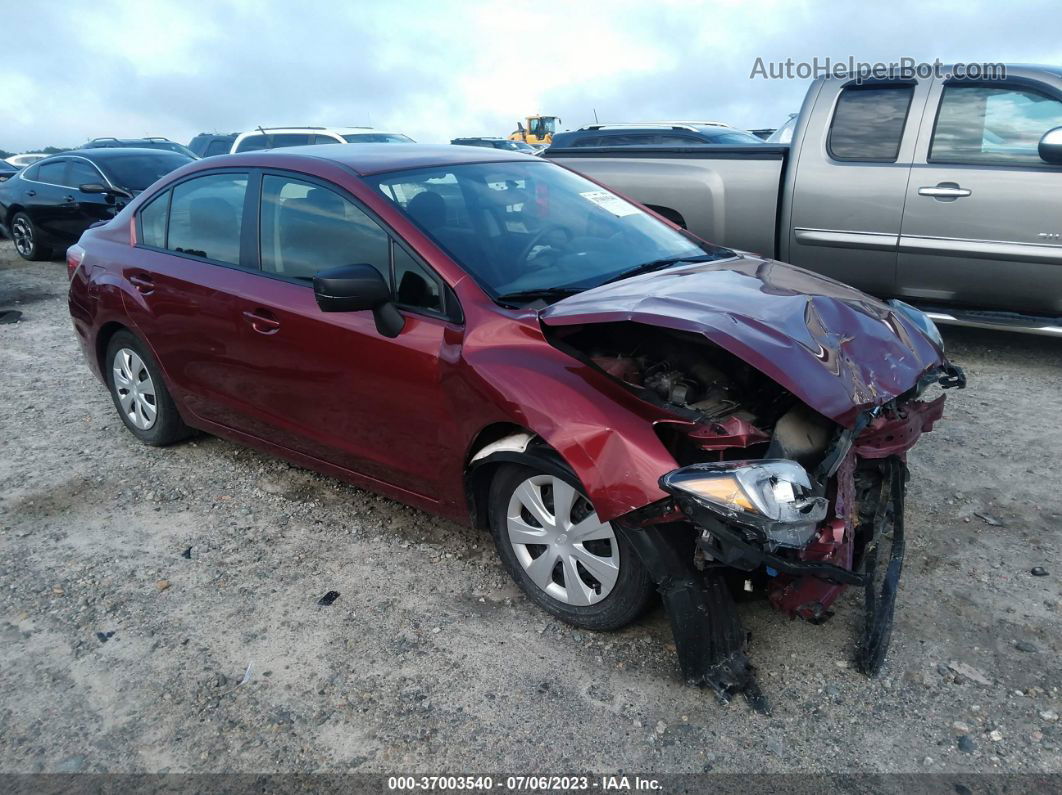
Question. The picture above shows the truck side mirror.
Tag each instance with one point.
(1050, 147)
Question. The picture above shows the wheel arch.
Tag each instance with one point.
(496, 445)
(674, 216)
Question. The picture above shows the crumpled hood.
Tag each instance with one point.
(837, 349)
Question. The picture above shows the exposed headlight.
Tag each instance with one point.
(920, 319)
(773, 496)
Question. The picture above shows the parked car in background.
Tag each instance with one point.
(654, 134)
(23, 160)
(7, 171)
(211, 144)
(497, 143)
(139, 143)
(944, 192)
(501, 341)
(281, 137)
(784, 134)
(51, 202)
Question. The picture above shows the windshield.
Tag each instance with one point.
(533, 226)
(136, 172)
(377, 138)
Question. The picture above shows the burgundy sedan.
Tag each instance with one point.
(498, 340)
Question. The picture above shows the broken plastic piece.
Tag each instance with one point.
(187, 553)
(104, 636)
(328, 598)
(9, 316)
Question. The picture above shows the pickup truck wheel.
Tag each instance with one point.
(564, 558)
(139, 393)
(26, 238)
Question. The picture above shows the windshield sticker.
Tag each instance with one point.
(610, 202)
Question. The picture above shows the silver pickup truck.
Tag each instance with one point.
(944, 192)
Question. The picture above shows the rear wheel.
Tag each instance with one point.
(566, 560)
(140, 394)
(26, 237)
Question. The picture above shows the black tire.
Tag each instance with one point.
(27, 237)
(167, 426)
(629, 596)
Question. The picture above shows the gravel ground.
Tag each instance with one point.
(158, 608)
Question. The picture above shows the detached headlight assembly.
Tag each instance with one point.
(773, 496)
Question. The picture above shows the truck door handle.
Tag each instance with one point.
(261, 322)
(143, 283)
(945, 191)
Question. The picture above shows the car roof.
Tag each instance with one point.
(114, 153)
(368, 159)
(338, 130)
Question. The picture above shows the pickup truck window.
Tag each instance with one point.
(868, 123)
(982, 124)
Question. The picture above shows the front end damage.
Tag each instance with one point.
(775, 492)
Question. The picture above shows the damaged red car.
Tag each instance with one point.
(496, 339)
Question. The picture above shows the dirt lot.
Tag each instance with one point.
(431, 660)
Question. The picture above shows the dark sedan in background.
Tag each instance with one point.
(50, 203)
(7, 171)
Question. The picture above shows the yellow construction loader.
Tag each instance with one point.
(539, 130)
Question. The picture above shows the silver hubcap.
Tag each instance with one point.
(22, 232)
(136, 390)
(565, 549)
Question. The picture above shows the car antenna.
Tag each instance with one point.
(595, 116)
(268, 137)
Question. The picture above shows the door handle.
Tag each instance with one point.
(142, 282)
(261, 322)
(945, 191)
(68, 199)
(31, 193)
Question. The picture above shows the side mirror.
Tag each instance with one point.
(93, 187)
(1050, 148)
(355, 288)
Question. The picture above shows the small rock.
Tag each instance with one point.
(969, 672)
(995, 735)
(104, 636)
(577, 637)
(661, 727)
(927, 761)
(162, 585)
(967, 744)
(1024, 645)
(71, 764)
(1038, 571)
(960, 728)
(58, 591)
(1036, 736)
(1049, 715)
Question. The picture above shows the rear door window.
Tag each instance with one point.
(206, 215)
(306, 228)
(987, 124)
(868, 123)
(52, 172)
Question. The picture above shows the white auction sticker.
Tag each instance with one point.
(610, 202)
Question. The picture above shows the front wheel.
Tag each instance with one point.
(27, 239)
(139, 393)
(565, 559)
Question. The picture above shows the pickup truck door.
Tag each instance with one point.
(848, 177)
(982, 224)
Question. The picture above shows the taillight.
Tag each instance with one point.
(74, 256)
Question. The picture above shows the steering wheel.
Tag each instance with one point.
(536, 238)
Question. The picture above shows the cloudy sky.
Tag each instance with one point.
(434, 70)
